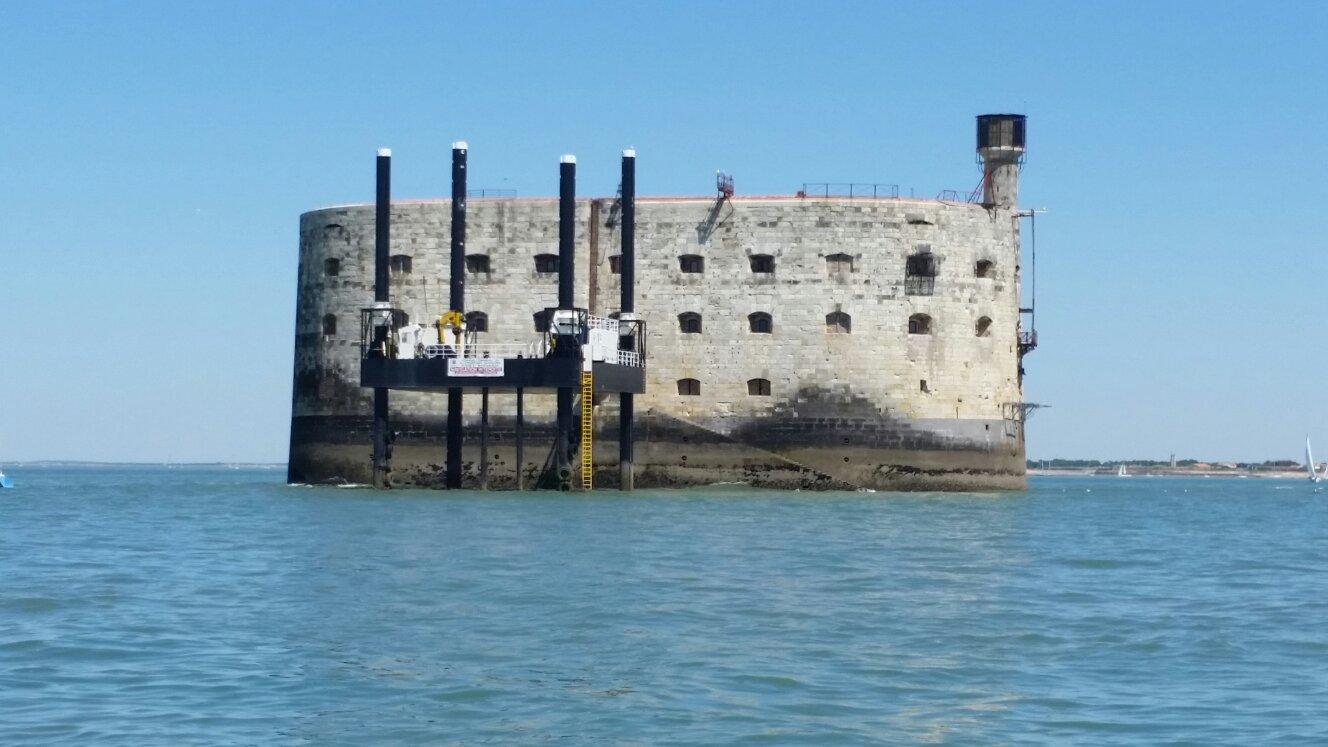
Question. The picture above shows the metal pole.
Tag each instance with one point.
(566, 284)
(382, 242)
(456, 302)
(484, 438)
(520, 439)
(627, 265)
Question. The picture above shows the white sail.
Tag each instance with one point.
(1309, 461)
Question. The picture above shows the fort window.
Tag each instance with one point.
(399, 264)
(839, 264)
(763, 263)
(838, 323)
(691, 263)
(541, 321)
(329, 324)
(984, 268)
(920, 273)
(922, 386)
(331, 267)
(477, 263)
(689, 323)
(758, 387)
(615, 264)
(983, 327)
(919, 324)
(546, 263)
(477, 321)
(760, 322)
(689, 387)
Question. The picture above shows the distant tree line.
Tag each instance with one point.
(1097, 463)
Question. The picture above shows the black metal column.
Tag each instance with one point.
(520, 439)
(456, 302)
(382, 239)
(627, 305)
(566, 286)
(484, 438)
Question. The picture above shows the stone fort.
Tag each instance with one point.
(817, 340)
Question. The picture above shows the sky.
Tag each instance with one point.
(155, 159)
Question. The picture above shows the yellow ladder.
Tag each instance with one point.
(587, 428)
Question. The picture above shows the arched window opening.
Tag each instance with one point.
(477, 264)
(763, 263)
(399, 264)
(329, 324)
(758, 387)
(983, 327)
(760, 323)
(839, 264)
(689, 323)
(615, 264)
(838, 323)
(691, 263)
(984, 268)
(541, 321)
(331, 267)
(919, 324)
(546, 263)
(477, 321)
(689, 387)
(920, 272)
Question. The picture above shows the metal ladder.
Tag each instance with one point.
(587, 429)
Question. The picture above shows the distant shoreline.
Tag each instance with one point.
(1169, 472)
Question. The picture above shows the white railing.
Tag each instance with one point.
(629, 358)
(536, 349)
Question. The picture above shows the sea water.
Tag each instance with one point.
(220, 606)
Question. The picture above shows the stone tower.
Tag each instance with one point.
(1001, 149)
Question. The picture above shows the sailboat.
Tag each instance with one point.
(1122, 472)
(1315, 475)
(5, 482)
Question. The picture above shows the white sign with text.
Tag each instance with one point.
(475, 367)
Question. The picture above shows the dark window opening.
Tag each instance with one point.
(919, 324)
(330, 324)
(920, 272)
(477, 321)
(400, 318)
(984, 268)
(691, 263)
(922, 385)
(546, 263)
(838, 323)
(399, 264)
(763, 263)
(758, 387)
(689, 387)
(331, 267)
(983, 327)
(477, 263)
(689, 323)
(541, 321)
(615, 264)
(760, 322)
(839, 263)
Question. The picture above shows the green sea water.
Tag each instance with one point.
(145, 606)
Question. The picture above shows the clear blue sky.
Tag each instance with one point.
(155, 157)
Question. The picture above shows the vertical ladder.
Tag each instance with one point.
(587, 428)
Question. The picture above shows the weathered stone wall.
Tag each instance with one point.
(829, 392)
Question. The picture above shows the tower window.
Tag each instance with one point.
(477, 321)
(838, 323)
(919, 324)
(331, 267)
(399, 264)
(546, 263)
(984, 268)
(763, 263)
(691, 263)
(983, 327)
(758, 387)
(477, 263)
(329, 324)
(689, 323)
(615, 264)
(760, 323)
(689, 387)
(541, 321)
(920, 273)
(839, 264)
